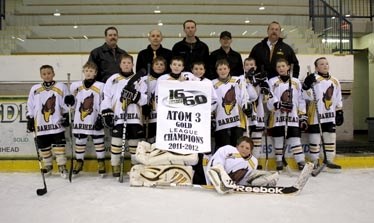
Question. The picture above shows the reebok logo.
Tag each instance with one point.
(265, 190)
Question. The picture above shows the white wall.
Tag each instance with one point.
(25, 68)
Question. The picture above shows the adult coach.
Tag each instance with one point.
(153, 50)
(270, 49)
(106, 57)
(225, 52)
(191, 48)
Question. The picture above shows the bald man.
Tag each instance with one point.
(154, 49)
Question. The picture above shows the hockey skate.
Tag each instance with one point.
(101, 167)
(78, 166)
(332, 167)
(47, 170)
(279, 166)
(301, 165)
(63, 171)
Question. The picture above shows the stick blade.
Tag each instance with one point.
(41, 192)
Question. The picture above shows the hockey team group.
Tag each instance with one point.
(244, 109)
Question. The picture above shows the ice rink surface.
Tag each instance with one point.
(332, 198)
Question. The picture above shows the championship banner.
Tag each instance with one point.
(183, 116)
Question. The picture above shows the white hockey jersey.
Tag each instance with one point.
(46, 106)
(280, 90)
(231, 98)
(113, 100)
(213, 93)
(87, 107)
(230, 158)
(328, 97)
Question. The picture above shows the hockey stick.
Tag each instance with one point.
(124, 148)
(284, 161)
(71, 138)
(148, 100)
(40, 191)
(266, 143)
(315, 101)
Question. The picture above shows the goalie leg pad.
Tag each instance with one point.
(141, 175)
(163, 157)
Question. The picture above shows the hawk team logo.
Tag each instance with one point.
(229, 101)
(238, 175)
(327, 96)
(286, 96)
(86, 107)
(48, 108)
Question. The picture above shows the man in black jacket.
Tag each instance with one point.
(153, 50)
(270, 49)
(225, 52)
(106, 57)
(191, 48)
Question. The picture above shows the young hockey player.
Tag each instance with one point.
(231, 100)
(86, 98)
(237, 166)
(256, 122)
(121, 98)
(48, 116)
(149, 110)
(287, 115)
(328, 99)
(177, 66)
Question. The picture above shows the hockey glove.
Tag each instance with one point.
(283, 106)
(69, 100)
(261, 77)
(339, 117)
(303, 122)
(99, 123)
(249, 74)
(108, 118)
(146, 110)
(65, 120)
(308, 82)
(129, 93)
(30, 124)
(265, 88)
(248, 109)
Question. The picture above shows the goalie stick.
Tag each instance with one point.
(296, 188)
